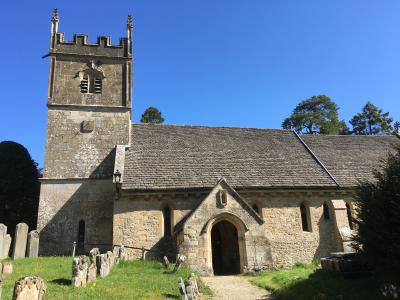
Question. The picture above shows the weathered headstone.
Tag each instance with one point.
(1, 283)
(111, 259)
(182, 288)
(6, 246)
(79, 271)
(122, 253)
(33, 244)
(29, 288)
(103, 267)
(116, 254)
(179, 261)
(21, 235)
(165, 262)
(92, 269)
(3, 233)
(7, 268)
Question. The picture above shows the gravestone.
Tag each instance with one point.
(79, 271)
(7, 268)
(103, 267)
(6, 246)
(21, 234)
(92, 269)
(1, 283)
(111, 259)
(182, 288)
(3, 233)
(179, 261)
(33, 244)
(29, 288)
(165, 262)
(122, 253)
(116, 254)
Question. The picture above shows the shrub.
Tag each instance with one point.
(378, 219)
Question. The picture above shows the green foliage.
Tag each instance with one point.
(396, 127)
(371, 121)
(128, 280)
(307, 281)
(318, 114)
(378, 219)
(152, 115)
(19, 186)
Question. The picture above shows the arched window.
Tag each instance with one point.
(167, 221)
(305, 217)
(349, 215)
(81, 234)
(90, 83)
(327, 215)
(256, 209)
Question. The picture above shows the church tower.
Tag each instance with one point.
(89, 113)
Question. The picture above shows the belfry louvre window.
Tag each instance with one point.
(91, 84)
(349, 215)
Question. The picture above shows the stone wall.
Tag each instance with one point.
(71, 153)
(63, 203)
(67, 83)
(138, 222)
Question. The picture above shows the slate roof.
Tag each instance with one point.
(349, 158)
(183, 157)
(164, 157)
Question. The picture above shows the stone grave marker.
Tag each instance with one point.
(165, 262)
(7, 268)
(6, 246)
(103, 267)
(33, 244)
(79, 271)
(92, 269)
(21, 234)
(29, 288)
(179, 261)
(3, 233)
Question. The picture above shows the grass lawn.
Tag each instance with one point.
(307, 282)
(128, 280)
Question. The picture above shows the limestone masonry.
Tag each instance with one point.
(228, 199)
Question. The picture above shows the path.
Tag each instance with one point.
(235, 288)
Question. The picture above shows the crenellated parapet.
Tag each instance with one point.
(80, 46)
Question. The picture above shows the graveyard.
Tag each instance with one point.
(128, 280)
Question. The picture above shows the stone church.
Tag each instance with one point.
(227, 198)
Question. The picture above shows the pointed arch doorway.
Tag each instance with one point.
(225, 248)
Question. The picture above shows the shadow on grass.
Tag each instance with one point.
(328, 285)
(170, 296)
(61, 281)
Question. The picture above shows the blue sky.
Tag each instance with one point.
(211, 62)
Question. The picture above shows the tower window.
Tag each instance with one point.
(81, 235)
(167, 221)
(84, 84)
(305, 217)
(91, 84)
(326, 211)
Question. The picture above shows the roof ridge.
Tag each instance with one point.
(315, 157)
(209, 126)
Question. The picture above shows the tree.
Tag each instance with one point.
(371, 121)
(19, 186)
(152, 115)
(396, 127)
(318, 114)
(343, 128)
(377, 205)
